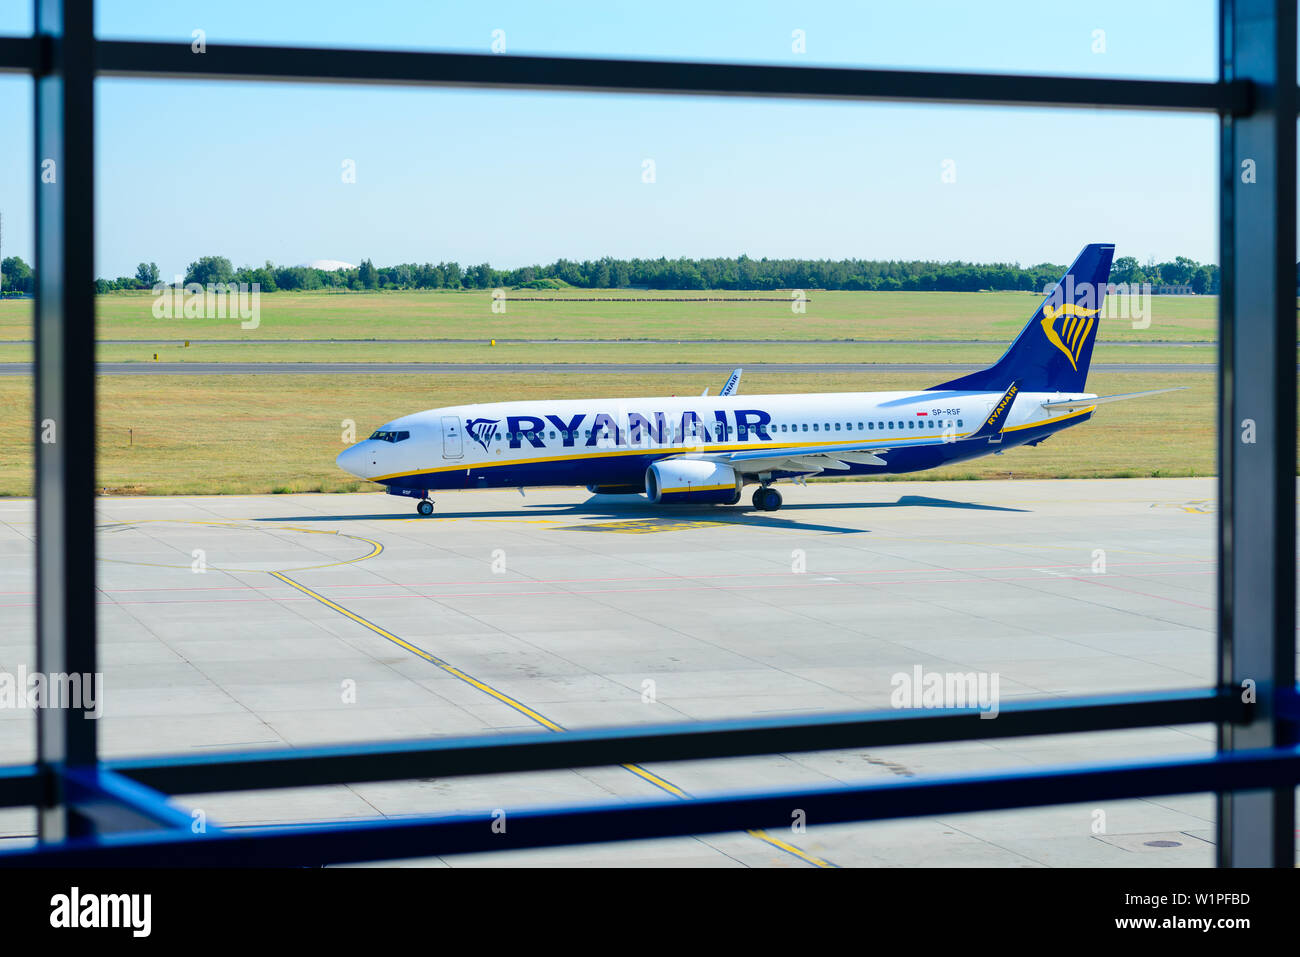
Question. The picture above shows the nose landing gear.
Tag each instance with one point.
(425, 507)
(766, 498)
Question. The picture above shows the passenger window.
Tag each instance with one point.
(959, 423)
(871, 425)
(814, 426)
(837, 426)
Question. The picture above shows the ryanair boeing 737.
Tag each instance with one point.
(705, 450)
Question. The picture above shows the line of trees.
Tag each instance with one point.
(741, 273)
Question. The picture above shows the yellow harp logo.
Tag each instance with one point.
(1076, 324)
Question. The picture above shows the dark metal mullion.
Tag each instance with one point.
(130, 58)
(1257, 421)
(64, 407)
(20, 55)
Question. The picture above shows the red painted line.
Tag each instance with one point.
(1149, 595)
(809, 581)
(635, 578)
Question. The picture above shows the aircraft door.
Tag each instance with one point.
(452, 447)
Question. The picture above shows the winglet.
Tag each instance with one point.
(993, 424)
(733, 384)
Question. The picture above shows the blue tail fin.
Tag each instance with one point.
(1052, 352)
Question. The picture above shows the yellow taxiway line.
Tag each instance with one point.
(649, 776)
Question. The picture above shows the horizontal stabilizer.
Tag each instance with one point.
(1071, 404)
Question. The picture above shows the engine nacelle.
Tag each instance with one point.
(678, 481)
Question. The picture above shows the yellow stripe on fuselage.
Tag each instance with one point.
(895, 442)
(1059, 418)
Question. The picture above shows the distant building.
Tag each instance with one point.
(1184, 290)
(329, 265)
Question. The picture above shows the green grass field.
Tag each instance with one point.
(468, 315)
(259, 434)
(745, 354)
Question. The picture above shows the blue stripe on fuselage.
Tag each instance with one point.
(630, 469)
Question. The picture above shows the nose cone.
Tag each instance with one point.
(353, 460)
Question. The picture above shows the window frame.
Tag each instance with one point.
(1254, 771)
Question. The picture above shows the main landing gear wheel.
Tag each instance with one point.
(767, 499)
(425, 507)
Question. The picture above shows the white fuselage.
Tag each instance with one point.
(609, 441)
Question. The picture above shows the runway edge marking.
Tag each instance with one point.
(649, 776)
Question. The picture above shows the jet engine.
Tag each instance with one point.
(678, 481)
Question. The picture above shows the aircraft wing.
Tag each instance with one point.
(814, 458)
(1071, 404)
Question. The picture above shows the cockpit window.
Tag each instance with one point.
(390, 436)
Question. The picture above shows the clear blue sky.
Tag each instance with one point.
(253, 172)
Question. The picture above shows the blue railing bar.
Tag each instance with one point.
(114, 802)
(20, 785)
(543, 751)
(465, 833)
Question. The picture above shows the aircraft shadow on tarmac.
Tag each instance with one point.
(628, 508)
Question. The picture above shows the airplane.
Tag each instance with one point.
(683, 450)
